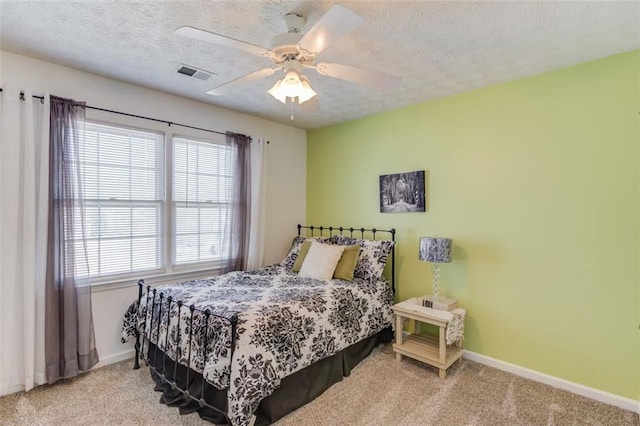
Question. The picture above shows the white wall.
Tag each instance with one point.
(286, 192)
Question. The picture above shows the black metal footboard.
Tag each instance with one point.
(153, 300)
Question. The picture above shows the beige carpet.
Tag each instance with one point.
(379, 391)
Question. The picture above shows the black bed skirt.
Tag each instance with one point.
(295, 390)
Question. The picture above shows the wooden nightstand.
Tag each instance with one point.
(429, 349)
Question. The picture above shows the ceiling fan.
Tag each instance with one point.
(293, 51)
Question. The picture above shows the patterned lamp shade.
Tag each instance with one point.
(436, 249)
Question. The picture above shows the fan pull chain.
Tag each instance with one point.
(291, 106)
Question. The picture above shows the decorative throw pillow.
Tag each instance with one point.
(347, 264)
(290, 260)
(302, 253)
(373, 256)
(321, 261)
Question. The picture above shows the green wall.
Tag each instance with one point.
(537, 181)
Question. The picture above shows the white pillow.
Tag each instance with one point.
(321, 261)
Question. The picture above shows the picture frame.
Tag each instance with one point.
(403, 192)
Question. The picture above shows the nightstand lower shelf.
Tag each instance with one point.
(425, 348)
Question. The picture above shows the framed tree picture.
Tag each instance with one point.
(403, 192)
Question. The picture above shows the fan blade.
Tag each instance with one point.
(377, 80)
(221, 40)
(247, 78)
(310, 106)
(337, 22)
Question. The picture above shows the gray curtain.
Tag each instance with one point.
(69, 340)
(240, 216)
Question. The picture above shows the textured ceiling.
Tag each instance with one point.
(437, 48)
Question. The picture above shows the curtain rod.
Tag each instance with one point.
(168, 123)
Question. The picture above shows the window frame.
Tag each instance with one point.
(105, 279)
(168, 272)
(192, 266)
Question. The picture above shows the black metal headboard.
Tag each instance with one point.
(362, 233)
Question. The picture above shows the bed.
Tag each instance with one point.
(252, 346)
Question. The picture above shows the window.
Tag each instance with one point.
(139, 218)
(202, 185)
(123, 183)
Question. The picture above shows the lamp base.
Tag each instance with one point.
(442, 304)
(436, 278)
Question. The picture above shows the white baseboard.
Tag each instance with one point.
(117, 357)
(598, 395)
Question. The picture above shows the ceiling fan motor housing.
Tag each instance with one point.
(285, 47)
(282, 41)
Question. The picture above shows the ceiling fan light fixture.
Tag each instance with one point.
(292, 86)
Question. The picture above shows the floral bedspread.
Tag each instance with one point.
(285, 323)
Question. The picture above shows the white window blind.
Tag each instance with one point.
(202, 185)
(123, 188)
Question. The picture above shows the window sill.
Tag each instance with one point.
(154, 280)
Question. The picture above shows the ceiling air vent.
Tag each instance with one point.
(194, 72)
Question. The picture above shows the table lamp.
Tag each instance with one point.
(436, 250)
